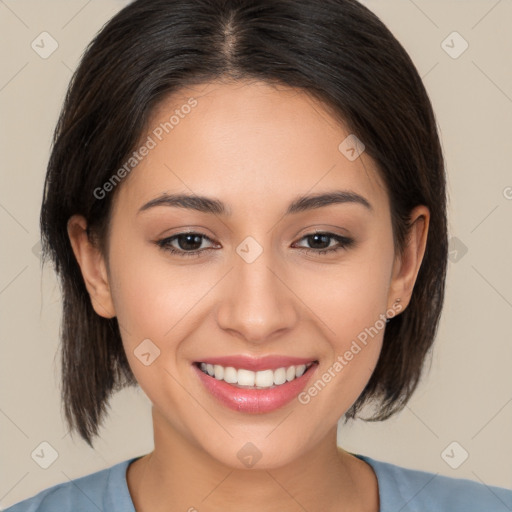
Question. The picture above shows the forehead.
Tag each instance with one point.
(252, 144)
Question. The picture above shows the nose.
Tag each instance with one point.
(257, 302)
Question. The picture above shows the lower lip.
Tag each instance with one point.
(255, 400)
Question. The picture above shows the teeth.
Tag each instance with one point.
(264, 379)
(260, 379)
(246, 377)
(279, 376)
(230, 375)
(218, 371)
(300, 370)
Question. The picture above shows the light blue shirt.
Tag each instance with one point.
(400, 490)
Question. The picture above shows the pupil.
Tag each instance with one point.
(317, 237)
(190, 239)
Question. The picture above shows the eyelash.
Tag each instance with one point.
(343, 241)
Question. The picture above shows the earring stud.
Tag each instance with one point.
(397, 300)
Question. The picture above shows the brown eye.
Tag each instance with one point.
(324, 240)
(185, 244)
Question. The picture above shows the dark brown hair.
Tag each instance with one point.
(336, 50)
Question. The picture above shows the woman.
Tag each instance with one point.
(245, 203)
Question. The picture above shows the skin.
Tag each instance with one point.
(256, 148)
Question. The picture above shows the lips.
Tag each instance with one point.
(254, 392)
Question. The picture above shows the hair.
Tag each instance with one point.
(337, 51)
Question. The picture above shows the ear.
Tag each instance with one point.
(92, 265)
(407, 265)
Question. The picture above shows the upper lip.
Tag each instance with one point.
(271, 362)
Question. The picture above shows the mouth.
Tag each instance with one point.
(248, 379)
(254, 385)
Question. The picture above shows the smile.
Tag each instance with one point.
(251, 385)
(263, 379)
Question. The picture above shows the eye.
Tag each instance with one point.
(189, 244)
(323, 239)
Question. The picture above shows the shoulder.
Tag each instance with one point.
(410, 490)
(103, 490)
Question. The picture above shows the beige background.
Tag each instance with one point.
(466, 397)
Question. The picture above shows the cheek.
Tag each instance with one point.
(151, 306)
(351, 302)
(150, 296)
(355, 315)
(348, 297)
(157, 301)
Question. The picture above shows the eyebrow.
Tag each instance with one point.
(215, 206)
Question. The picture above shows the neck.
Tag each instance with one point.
(179, 475)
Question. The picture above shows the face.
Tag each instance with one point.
(265, 290)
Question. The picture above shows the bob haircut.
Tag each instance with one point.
(337, 51)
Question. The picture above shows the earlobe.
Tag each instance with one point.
(92, 266)
(407, 266)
